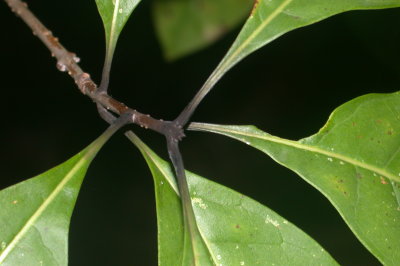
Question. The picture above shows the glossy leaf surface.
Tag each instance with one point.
(35, 214)
(115, 13)
(270, 19)
(354, 160)
(184, 26)
(236, 230)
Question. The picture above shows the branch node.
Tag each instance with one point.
(68, 62)
(173, 131)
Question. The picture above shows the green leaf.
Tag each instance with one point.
(273, 18)
(185, 26)
(115, 14)
(354, 160)
(35, 214)
(236, 230)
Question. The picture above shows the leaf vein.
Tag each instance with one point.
(300, 146)
(41, 209)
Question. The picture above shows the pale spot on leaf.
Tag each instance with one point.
(200, 202)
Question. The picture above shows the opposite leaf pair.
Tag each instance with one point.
(36, 214)
(355, 167)
(347, 161)
(268, 20)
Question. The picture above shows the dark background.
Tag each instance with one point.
(288, 89)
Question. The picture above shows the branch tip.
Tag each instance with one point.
(68, 62)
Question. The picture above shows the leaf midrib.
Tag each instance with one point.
(256, 32)
(297, 145)
(171, 183)
(42, 208)
(113, 22)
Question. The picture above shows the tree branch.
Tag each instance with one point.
(172, 130)
(68, 62)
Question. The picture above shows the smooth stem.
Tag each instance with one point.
(216, 75)
(114, 127)
(111, 38)
(105, 76)
(188, 213)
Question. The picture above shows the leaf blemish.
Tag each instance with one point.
(256, 2)
(383, 181)
(200, 202)
(269, 220)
